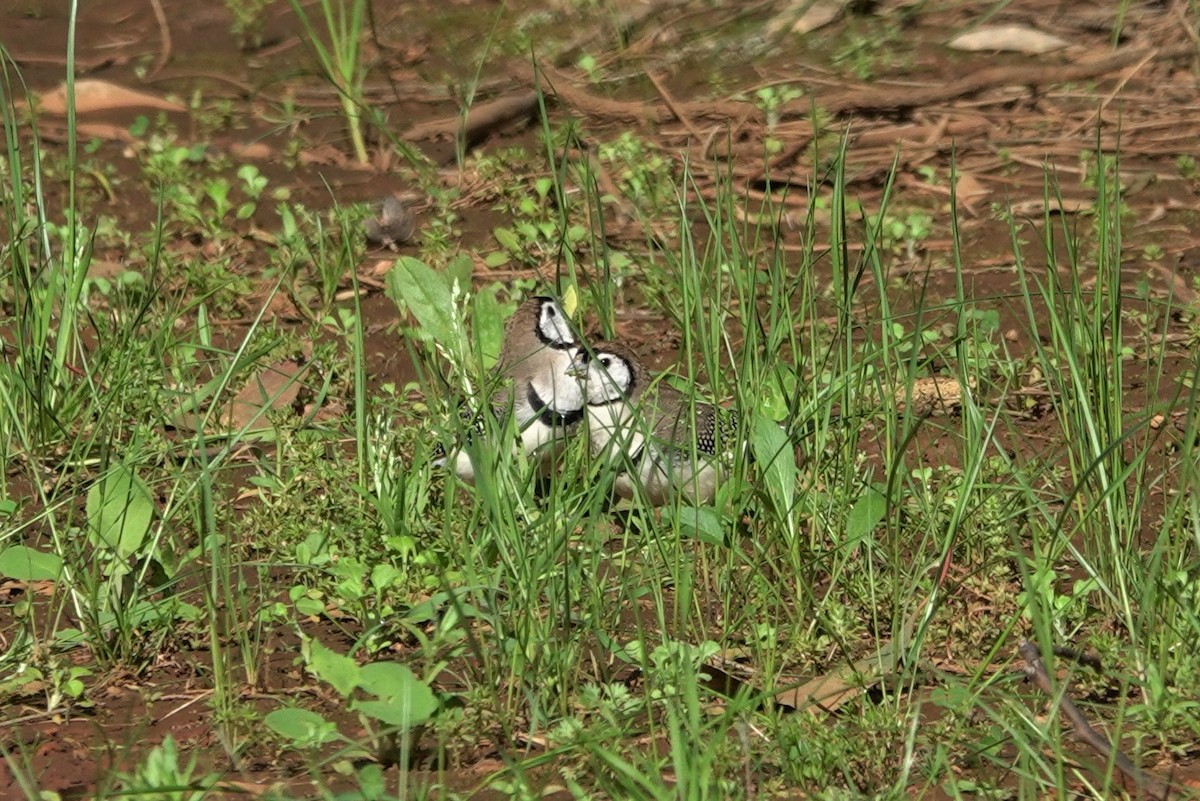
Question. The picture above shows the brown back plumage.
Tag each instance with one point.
(537, 338)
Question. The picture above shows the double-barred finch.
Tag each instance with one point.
(655, 435)
(546, 403)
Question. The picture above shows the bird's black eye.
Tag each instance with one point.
(550, 311)
(604, 360)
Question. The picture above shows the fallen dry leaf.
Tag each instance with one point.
(1157, 212)
(1178, 286)
(275, 388)
(45, 588)
(969, 190)
(379, 269)
(1007, 38)
(829, 691)
(96, 95)
(255, 151)
(105, 131)
(324, 155)
(840, 685)
(249, 788)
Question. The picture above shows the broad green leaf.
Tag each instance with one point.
(28, 564)
(403, 713)
(777, 462)
(383, 576)
(771, 402)
(188, 612)
(633, 652)
(434, 607)
(570, 301)
(301, 726)
(774, 393)
(489, 327)
(403, 701)
(864, 516)
(426, 293)
(310, 607)
(372, 783)
(119, 507)
(16, 682)
(70, 638)
(703, 523)
(338, 670)
(507, 239)
(156, 614)
(386, 680)
(460, 268)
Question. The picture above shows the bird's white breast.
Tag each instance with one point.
(611, 428)
(561, 395)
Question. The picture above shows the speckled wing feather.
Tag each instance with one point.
(713, 429)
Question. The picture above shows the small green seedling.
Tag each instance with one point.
(392, 703)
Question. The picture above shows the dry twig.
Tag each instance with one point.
(881, 100)
(481, 119)
(1036, 670)
(164, 32)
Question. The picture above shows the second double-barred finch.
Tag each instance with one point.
(655, 435)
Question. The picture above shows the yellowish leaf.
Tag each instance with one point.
(96, 95)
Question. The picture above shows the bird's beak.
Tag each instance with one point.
(579, 365)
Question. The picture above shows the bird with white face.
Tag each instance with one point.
(546, 402)
(658, 440)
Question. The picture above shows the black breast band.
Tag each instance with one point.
(549, 416)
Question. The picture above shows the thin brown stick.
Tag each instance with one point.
(481, 120)
(246, 89)
(1036, 669)
(164, 32)
(557, 83)
(1095, 115)
(1178, 10)
(863, 100)
(82, 65)
(674, 107)
(899, 99)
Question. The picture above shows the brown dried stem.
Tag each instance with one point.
(1036, 669)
